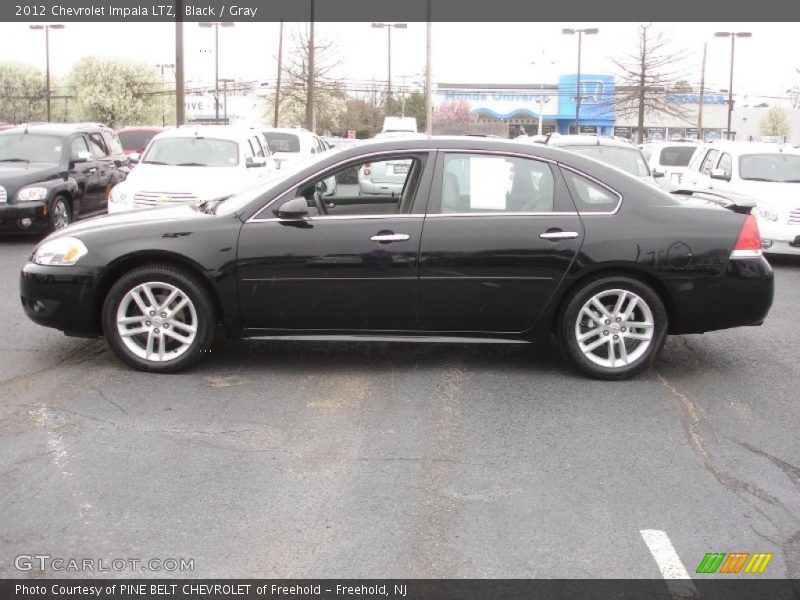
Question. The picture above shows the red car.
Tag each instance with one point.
(135, 139)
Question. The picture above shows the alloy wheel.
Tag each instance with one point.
(614, 328)
(157, 321)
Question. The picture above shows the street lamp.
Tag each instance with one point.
(389, 27)
(733, 35)
(580, 32)
(542, 98)
(163, 91)
(216, 25)
(47, 29)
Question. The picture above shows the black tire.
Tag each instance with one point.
(60, 213)
(188, 284)
(572, 310)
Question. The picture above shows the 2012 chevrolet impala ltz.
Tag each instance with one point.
(484, 240)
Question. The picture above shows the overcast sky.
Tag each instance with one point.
(462, 52)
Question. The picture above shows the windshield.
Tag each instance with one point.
(193, 152)
(30, 147)
(770, 167)
(136, 140)
(265, 187)
(629, 160)
(282, 142)
(676, 156)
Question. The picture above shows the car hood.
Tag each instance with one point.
(165, 213)
(778, 197)
(204, 182)
(15, 175)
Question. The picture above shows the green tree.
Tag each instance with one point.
(21, 93)
(116, 91)
(775, 122)
(415, 107)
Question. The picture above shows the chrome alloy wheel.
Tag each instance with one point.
(157, 321)
(60, 214)
(614, 328)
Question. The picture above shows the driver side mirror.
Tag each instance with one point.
(82, 156)
(134, 157)
(296, 208)
(719, 174)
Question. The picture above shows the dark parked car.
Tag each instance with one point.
(488, 240)
(51, 174)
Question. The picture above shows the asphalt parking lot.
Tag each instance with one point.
(376, 460)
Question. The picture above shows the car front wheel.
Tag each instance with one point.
(158, 318)
(613, 327)
(60, 214)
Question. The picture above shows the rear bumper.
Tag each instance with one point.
(379, 189)
(742, 295)
(60, 297)
(11, 216)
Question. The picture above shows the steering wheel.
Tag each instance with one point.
(319, 203)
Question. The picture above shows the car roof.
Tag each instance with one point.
(742, 147)
(294, 130)
(146, 128)
(588, 140)
(57, 128)
(231, 132)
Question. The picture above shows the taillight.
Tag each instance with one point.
(748, 243)
(366, 168)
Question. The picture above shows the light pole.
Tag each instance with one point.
(389, 27)
(47, 29)
(163, 91)
(216, 25)
(580, 32)
(543, 61)
(733, 35)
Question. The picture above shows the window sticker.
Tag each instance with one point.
(488, 183)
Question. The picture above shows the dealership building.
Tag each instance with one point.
(513, 109)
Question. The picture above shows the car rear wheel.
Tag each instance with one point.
(613, 327)
(60, 214)
(158, 318)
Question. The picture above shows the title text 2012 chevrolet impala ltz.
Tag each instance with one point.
(485, 240)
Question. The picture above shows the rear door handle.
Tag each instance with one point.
(390, 237)
(559, 235)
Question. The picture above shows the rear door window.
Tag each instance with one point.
(590, 196)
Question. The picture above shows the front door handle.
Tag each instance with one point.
(386, 238)
(559, 235)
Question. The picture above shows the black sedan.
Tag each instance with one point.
(486, 240)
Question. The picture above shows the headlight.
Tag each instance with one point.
(65, 251)
(766, 214)
(32, 193)
(120, 199)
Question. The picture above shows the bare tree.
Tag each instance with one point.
(650, 71)
(307, 75)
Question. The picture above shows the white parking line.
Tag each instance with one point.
(669, 563)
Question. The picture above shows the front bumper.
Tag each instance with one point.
(741, 296)
(12, 215)
(60, 297)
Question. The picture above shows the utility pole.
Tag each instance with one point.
(580, 32)
(164, 93)
(180, 105)
(702, 94)
(733, 35)
(428, 83)
(389, 27)
(47, 29)
(311, 121)
(278, 82)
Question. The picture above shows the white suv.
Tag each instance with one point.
(669, 161)
(768, 173)
(193, 164)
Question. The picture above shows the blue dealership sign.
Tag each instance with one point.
(597, 95)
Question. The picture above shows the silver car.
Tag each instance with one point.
(383, 178)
